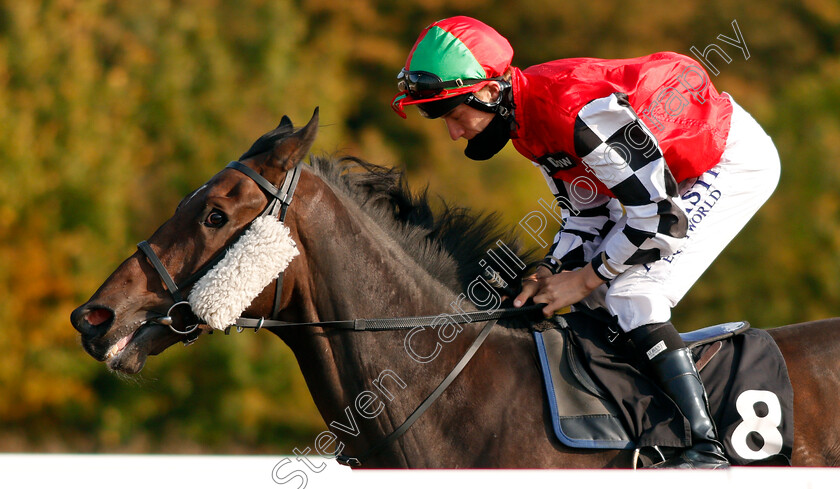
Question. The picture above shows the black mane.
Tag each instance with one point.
(448, 244)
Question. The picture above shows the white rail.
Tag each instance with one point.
(299, 472)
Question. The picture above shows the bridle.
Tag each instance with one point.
(279, 201)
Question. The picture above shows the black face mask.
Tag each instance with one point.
(490, 141)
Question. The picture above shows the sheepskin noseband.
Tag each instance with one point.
(248, 267)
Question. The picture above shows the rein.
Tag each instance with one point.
(279, 201)
(403, 323)
(390, 324)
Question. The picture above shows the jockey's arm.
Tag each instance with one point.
(620, 151)
(560, 290)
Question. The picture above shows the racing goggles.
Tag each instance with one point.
(434, 95)
(425, 85)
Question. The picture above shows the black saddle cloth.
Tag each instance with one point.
(749, 390)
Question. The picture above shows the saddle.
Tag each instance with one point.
(598, 399)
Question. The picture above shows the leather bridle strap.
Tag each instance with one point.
(289, 186)
(161, 270)
(404, 323)
(282, 196)
(259, 180)
(459, 367)
(397, 323)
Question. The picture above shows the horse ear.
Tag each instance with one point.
(290, 150)
(285, 124)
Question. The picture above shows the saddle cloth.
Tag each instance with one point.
(598, 399)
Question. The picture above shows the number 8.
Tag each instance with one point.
(766, 426)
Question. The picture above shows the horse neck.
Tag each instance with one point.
(355, 268)
(351, 268)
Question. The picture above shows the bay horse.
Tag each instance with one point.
(369, 247)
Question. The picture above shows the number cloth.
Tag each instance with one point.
(750, 394)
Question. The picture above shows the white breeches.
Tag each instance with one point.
(718, 204)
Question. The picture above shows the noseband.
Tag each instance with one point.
(279, 200)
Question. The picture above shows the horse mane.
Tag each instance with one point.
(449, 244)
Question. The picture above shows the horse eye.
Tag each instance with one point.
(215, 219)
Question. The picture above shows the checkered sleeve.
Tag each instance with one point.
(621, 152)
(586, 217)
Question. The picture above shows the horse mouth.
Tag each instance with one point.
(128, 355)
(118, 347)
(123, 342)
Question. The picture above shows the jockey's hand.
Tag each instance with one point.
(559, 290)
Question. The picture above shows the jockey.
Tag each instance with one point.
(654, 171)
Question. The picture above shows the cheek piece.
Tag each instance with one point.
(255, 259)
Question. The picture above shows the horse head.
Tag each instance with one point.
(132, 316)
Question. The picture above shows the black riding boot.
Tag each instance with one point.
(677, 376)
(674, 371)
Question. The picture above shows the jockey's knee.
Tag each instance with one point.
(634, 310)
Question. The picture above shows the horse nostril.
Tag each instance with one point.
(87, 320)
(98, 316)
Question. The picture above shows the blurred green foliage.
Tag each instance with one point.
(111, 111)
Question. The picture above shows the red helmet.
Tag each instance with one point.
(451, 59)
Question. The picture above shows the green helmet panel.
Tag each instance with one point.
(446, 56)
